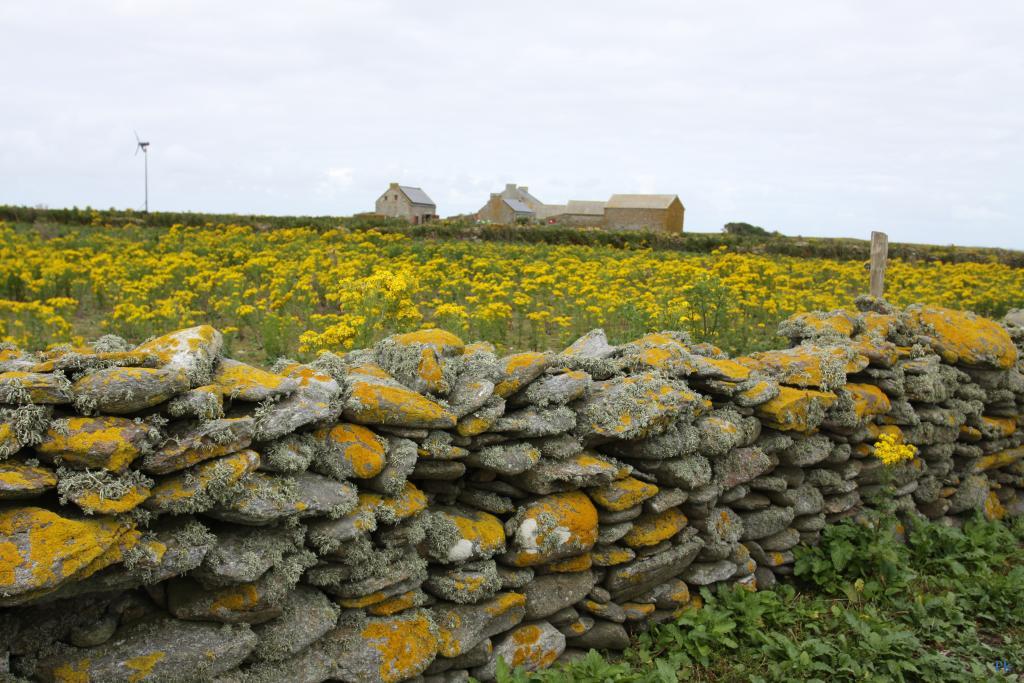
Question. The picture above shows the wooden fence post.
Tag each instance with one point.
(879, 254)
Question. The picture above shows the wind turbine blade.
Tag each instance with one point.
(136, 136)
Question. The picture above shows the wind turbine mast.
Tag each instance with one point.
(144, 146)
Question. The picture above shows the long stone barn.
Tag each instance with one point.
(662, 212)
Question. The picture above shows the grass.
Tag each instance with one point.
(871, 603)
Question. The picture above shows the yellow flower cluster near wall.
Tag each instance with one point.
(297, 291)
(890, 450)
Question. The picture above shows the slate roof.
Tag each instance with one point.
(518, 206)
(641, 201)
(416, 195)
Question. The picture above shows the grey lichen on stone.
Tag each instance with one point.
(441, 534)
(199, 403)
(288, 454)
(243, 555)
(402, 455)
(510, 459)
(72, 485)
(402, 361)
(452, 583)
(680, 438)
(28, 423)
(533, 422)
(307, 615)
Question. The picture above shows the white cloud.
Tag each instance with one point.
(337, 178)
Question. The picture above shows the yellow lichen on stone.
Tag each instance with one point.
(723, 368)
(478, 347)
(386, 404)
(248, 383)
(504, 602)
(404, 645)
(363, 600)
(306, 375)
(868, 400)
(878, 325)
(841, 323)
(803, 366)
(173, 491)
(485, 531)
(518, 370)
(636, 611)
(652, 529)
(41, 387)
(878, 352)
(1001, 427)
(570, 565)
(9, 443)
(659, 351)
(442, 341)
(41, 550)
(622, 494)
(18, 480)
(370, 369)
(394, 605)
(963, 337)
(93, 503)
(999, 460)
(143, 665)
(430, 372)
(992, 508)
(792, 409)
(175, 347)
(360, 447)
(471, 426)
(105, 442)
(969, 433)
(406, 504)
(72, 672)
(225, 602)
(609, 557)
(555, 526)
(528, 650)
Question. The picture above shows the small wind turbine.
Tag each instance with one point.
(144, 146)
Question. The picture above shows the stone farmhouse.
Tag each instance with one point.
(661, 212)
(506, 210)
(409, 203)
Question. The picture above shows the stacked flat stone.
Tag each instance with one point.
(425, 508)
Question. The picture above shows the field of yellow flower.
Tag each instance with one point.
(295, 291)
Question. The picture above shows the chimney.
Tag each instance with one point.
(524, 188)
(393, 186)
(510, 187)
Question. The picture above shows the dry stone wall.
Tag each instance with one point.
(424, 508)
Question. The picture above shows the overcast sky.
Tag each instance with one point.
(807, 117)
